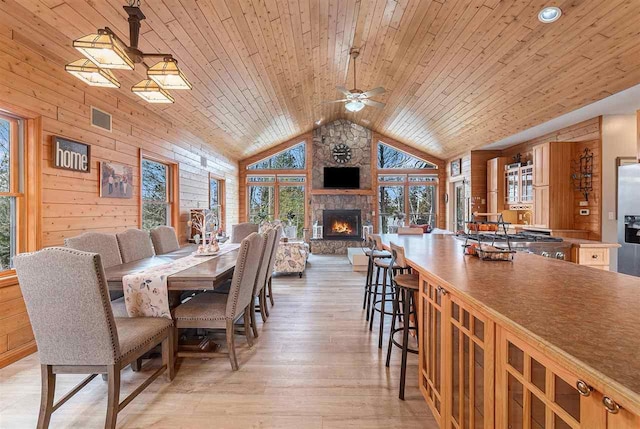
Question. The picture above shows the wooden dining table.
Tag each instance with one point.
(208, 275)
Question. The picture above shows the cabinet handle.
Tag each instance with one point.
(594, 256)
(610, 405)
(583, 388)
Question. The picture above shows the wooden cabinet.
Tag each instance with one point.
(552, 186)
(512, 185)
(456, 359)
(495, 185)
(595, 257)
(532, 391)
(526, 184)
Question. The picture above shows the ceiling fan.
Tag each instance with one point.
(356, 99)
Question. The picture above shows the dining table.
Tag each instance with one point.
(208, 275)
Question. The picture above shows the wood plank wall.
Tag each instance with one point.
(580, 135)
(32, 80)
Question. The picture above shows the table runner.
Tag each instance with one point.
(146, 293)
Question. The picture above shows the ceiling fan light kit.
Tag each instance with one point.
(355, 100)
(105, 50)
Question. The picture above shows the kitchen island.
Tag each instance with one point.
(536, 342)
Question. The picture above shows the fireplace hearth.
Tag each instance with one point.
(341, 224)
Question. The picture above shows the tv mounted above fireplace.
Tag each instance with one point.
(341, 177)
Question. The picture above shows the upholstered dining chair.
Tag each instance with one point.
(134, 244)
(164, 239)
(65, 292)
(242, 230)
(106, 245)
(217, 311)
(272, 263)
(259, 290)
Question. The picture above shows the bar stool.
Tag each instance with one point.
(374, 251)
(404, 305)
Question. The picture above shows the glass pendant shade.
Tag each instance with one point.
(354, 106)
(104, 50)
(91, 74)
(168, 76)
(151, 92)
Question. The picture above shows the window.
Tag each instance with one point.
(411, 196)
(11, 186)
(289, 159)
(156, 194)
(278, 197)
(390, 157)
(217, 199)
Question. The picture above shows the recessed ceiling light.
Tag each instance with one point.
(549, 14)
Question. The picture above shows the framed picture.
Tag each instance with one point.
(456, 167)
(622, 160)
(116, 180)
(71, 155)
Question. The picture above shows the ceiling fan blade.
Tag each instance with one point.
(373, 103)
(374, 92)
(335, 101)
(343, 90)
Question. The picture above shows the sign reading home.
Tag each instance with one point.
(71, 155)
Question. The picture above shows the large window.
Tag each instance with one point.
(392, 158)
(407, 198)
(217, 199)
(292, 158)
(278, 197)
(11, 186)
(156, 194)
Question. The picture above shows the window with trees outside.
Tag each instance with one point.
(156, 194)
(407, 190)
(11, 186)
(217, 199)
(293, 158)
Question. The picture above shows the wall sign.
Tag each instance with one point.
(456, 167)
(71, 155)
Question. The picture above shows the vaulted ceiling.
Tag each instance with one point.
(459, 73)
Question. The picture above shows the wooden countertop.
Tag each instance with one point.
(578, 242)
(587, 319)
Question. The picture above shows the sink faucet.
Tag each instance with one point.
(526, 215)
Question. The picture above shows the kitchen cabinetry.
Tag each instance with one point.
(533, 391)
(552, 188)
(512, 179)
(526, 184)
(456, 359)
(592, 253)
(495, 185)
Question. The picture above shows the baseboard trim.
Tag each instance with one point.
(18, 353)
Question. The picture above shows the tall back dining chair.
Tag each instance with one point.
(66, 296)
(134, 244)
(106, 245)
(221, 311)
(259, 290)
(242, 230)
(272, 263)
(164, 239)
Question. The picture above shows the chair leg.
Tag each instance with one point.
(405, 343)
(46, 397)
(263, 305)
(396, 309)
(247, 322)
(266, 308)
(271, 290)
(113, 396)
(231, 345)
(383, 308)
(168, 354)
(136, 365)
(252, 314)
(367, 284)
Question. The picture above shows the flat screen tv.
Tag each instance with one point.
(341, 177)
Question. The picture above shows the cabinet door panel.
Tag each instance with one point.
(541, 206)
(469, 364)
(541, 165)
(431, 338)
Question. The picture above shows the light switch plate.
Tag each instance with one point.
(584, 212)
(612, 216)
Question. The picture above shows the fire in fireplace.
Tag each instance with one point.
(341, 224)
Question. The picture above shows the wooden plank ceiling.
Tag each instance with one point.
(458, 73)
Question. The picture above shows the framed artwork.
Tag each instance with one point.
(71, 155)
(456, 167)
(622, 160)
(116, 180)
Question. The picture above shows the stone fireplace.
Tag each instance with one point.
(342, 224)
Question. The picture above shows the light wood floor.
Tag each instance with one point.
(315, 365)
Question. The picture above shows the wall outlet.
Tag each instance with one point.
(584, 212)
(612, 216)
(584, 203)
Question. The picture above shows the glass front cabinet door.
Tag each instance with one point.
(526, 184)
(512, 177)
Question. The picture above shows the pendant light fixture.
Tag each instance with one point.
(105, 50)
(150, 91)
(91, 74)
